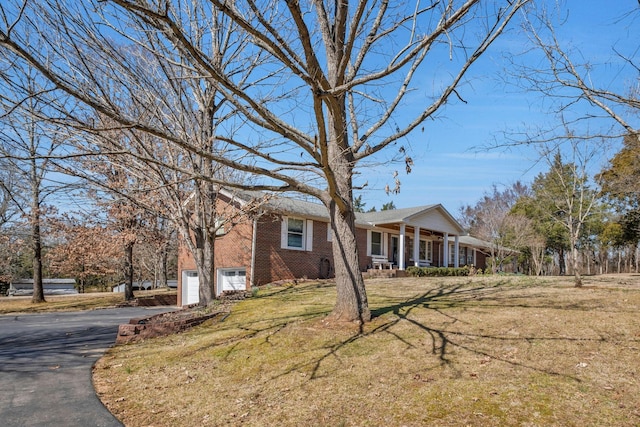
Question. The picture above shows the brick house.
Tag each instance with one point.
(292, 239)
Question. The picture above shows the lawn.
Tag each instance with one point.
(499, 351)
(88, 301)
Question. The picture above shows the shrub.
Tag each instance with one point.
(416, 271)
(437, 271)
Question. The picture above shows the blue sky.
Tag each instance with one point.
(450, 168)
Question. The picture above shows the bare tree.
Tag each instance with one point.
(184, 179)
(336, 88)
(570, 195)
(28, 145)
(593, 100)
(491, 220)
(85, 249)
(8, 211)
(8, 183)
(520, 234)
(595, 105)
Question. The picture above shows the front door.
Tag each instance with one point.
(395, 240)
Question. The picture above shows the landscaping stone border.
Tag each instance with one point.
(149, 327)
(174, 321)
(151, 301)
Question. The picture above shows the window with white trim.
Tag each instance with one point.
(376, 243)
(426, 250)
(297, 233)
(452, 254)
(470, 260)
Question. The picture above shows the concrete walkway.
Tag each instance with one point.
(46, 361)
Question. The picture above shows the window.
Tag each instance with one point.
(297, 233)
(376, 243)
(425, 250)
(470, 260)
(452, 254)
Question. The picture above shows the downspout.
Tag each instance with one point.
(254, 238)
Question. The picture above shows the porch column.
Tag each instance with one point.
(401, 247)
(445, 250)
(456, 254)
(416, 247)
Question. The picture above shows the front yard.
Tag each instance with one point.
(73, 302)
(498, 351)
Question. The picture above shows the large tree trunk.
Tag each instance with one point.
(575, 266)
(163, 257)
(561, 263)
(38, 288)
(205, 265)
(620, 261)
(351, 303)
(128, 271)
(36, 239)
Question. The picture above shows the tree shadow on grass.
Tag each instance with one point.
(441, 300)
(445, 300)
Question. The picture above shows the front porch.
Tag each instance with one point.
(409, 246)
(426, 236)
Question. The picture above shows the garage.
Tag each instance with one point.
(190, 287)
(232, 279)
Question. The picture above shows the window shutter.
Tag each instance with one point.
(283, 232)
(309, 243)
(385, 244)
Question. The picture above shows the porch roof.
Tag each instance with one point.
(483, 244)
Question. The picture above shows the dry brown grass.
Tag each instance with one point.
(502, 351)
(88, 301)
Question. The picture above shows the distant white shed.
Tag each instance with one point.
(144, 285)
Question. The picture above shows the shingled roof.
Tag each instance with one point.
(314, 210)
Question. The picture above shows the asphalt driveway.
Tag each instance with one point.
(46, 361)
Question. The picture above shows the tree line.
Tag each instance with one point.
(567, 221)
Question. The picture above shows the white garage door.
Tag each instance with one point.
(190, 288)
(232, 279)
